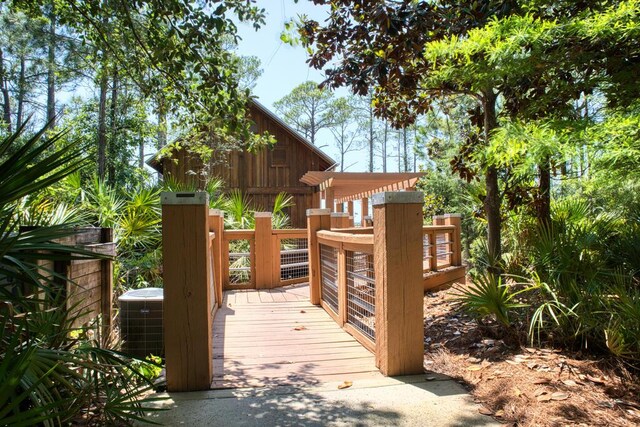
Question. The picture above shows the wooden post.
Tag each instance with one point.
(106, 296)
(367, 221)
(317, 219)
(456, 246)
(397, 254)
(328, 199)
(438, 220)
(264, 253)
(336, 220)
(187, 300)
(350, 207)
(216, 225)
(365, 210)
(346, 220)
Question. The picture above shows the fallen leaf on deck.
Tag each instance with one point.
(299, 328)
(302, 311)
(485, 411)
(345, 384)
(558, 395)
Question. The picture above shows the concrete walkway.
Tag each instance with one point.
(402, 401)
(278, 361)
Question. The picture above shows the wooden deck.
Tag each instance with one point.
(276, 337)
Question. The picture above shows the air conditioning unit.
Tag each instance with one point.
(141, 322)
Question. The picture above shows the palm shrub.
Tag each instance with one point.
(47, 375)
(489, 295)
(586, 275)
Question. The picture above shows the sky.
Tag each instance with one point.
(284, 66)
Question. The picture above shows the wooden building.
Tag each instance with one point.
(263, 175)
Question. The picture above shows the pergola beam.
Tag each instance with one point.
(350, 186)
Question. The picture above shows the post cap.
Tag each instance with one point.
(313, 212)
(397, 197)
(216, 212)
(339, 214)
(262, 214)
(184, 198)
(452, 215)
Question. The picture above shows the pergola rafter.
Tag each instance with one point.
(350, 186)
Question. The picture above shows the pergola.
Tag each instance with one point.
(341, 187)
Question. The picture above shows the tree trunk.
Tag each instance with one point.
(22, 90)
(370, 136)
(543, 204)
(162, 125)
(384, 147)
(141, 154)
(51, 71)
(415, 149)
(492, 199)
(312, 126)
(102, 124)
(113, 118)
(405, 154)
(6, 100)
(399, 152)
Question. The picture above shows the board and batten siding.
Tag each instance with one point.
(261, 175)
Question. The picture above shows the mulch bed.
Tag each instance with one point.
(524, 386)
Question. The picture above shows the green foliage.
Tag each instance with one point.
(48, 376)
(488, 295)
(308, 108)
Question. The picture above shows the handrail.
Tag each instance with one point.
(427, 228)
(357, 230)
(239, 234)
(290, 232)
(340, 237)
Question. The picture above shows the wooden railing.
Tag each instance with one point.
(370, 280)
(441, 252)
(261, 258)
(347, 282)
(371, 284)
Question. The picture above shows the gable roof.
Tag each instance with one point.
(293, 132)
(156, 163)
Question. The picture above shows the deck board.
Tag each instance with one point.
(276, 337)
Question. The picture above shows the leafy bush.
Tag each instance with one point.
(49, 376)
(488, 295)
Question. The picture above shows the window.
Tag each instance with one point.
(279, 157)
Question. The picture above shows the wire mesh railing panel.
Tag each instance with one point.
(361, 293)
(240, 262)
(294, 258)
(426, 252)
(443, 248)
(329, 276)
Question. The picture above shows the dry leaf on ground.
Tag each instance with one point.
(558, 395)
(345, 384)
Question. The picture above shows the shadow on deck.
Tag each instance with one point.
(276, 337)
